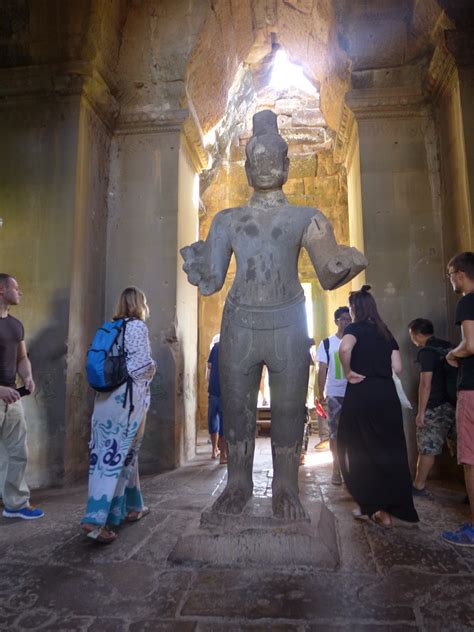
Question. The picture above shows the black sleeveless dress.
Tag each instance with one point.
(371, 442)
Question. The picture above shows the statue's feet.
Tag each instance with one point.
(232, 500)
(287, 505)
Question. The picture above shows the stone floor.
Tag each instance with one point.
(51, 578)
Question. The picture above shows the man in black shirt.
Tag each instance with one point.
(14, 360)
(436, 416)
(461, 275)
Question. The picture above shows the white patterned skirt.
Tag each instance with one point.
(116, 437)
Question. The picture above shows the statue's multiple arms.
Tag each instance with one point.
(335, 265)
(206, 262)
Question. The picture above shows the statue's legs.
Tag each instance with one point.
(288, 389)
(239, 381)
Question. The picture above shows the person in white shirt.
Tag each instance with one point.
(332, 384)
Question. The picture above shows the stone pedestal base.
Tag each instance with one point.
(256, 538)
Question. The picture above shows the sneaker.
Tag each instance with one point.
(464, 536)
(421, 493)
(27, 513)
(322, 445)
(336, 478)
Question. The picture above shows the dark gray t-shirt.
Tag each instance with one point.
(11, 334)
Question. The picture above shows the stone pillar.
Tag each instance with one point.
(97, 113)
(400, 202)
(450, 81)
(459, 44)
(152, 214)
(55, 123)
(347, 151)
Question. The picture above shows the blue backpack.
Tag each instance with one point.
(105, 363)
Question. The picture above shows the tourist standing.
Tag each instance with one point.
(461, 275)
(332, 383)
(118, 424)
(14, 361)
(436, 414)
(371, 441)
(214, 410)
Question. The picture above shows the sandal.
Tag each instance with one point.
(135, 516)
(103, 535)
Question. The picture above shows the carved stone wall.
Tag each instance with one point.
(55, 164)
(127, 90)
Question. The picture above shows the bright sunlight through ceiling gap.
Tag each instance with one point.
(287, 75)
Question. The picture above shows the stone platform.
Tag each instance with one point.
(256, 538)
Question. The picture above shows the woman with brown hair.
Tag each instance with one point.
(371, 442)
(118, 424)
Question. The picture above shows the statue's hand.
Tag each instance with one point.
(358, 260)
(194, 261)
(346, 265)
(196, 265)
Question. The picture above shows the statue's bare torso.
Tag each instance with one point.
(266, 244)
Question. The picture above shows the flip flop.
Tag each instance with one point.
(103, 535)
(138, 515)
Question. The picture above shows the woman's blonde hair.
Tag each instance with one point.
(132, 304)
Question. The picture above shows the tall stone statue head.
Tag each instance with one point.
(267, 154)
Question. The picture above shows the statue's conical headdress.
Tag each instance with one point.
(265, 122)
(265, 126)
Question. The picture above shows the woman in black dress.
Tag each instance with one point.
(371, 442)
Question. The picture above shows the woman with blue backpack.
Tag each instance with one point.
(120, 368)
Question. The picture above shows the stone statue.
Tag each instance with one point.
(264, 319)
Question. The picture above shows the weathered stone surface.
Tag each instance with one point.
(287, 106)
(52, 577)
(256, 538)
(326, 190)
(309, 118)
(303, 166)
(303, 135)
(294, 186)
(326, 164)
(256, 595)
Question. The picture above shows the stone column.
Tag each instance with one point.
(97, 114)
(152, 213)
(400, 203)
(459, 44)
(450, 81)
(55, 129)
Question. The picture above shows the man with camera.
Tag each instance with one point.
(14, 361)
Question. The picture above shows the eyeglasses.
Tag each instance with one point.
(449, 274)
